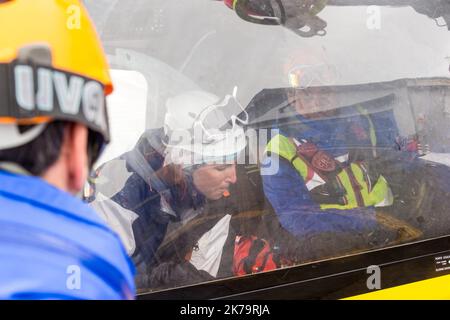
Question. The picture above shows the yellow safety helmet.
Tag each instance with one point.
(52, 67)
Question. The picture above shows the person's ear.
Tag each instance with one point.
(77, 159)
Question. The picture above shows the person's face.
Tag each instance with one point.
(310, 82)
(213, 180)
(311, 101)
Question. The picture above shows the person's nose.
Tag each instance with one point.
(231, 175)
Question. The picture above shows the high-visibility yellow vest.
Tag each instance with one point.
(358, 192)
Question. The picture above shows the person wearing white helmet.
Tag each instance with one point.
(201, 130)
(168, 177)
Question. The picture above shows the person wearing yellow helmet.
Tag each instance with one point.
(53, 125)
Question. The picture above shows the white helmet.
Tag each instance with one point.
(200, 128)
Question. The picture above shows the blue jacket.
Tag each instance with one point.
(287, 192)
(53, 246)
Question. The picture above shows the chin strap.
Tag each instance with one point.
(12, 167)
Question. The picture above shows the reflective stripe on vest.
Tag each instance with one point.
(372, 133)
(357, 187)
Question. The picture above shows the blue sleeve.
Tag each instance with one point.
(300, 215)
(46, 275)
(357, 129)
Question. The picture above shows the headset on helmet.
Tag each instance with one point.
(51, 68)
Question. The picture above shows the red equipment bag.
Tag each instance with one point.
(252, 255)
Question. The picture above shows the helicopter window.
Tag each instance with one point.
(333, 136)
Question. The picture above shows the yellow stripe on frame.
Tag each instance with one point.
(430, 289)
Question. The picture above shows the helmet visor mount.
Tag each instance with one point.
(219, 120)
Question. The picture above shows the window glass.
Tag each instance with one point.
(260, 135)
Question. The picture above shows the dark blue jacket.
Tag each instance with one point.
(141, 196)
